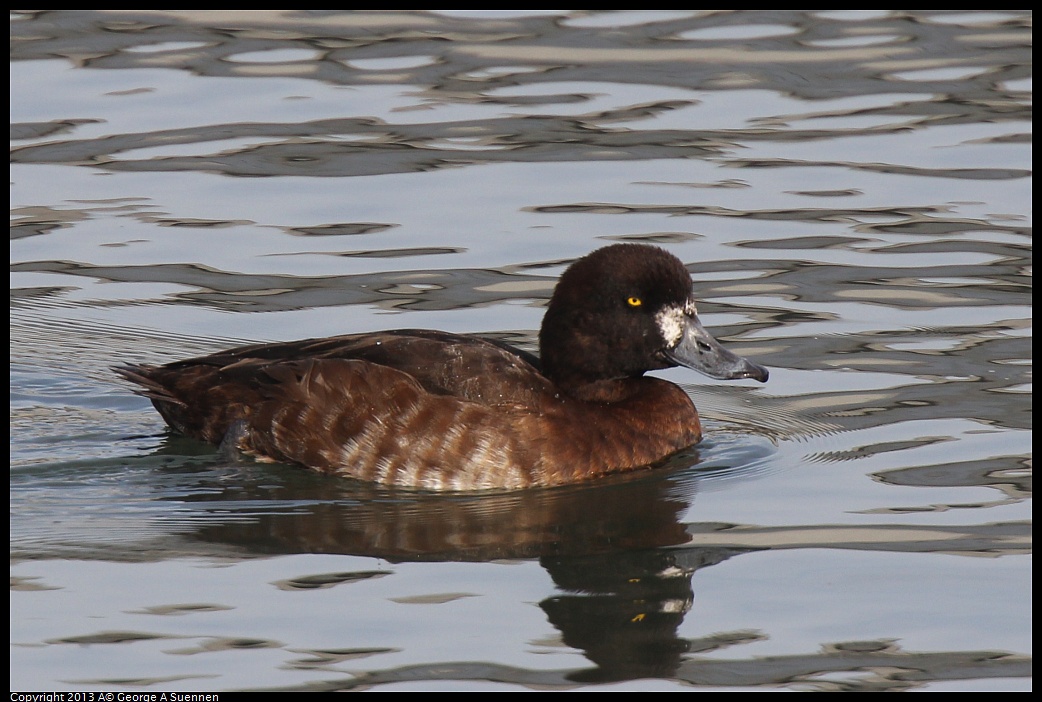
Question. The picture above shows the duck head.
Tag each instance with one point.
(624, 310)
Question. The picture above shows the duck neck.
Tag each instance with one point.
(586, 383)
(607, 391)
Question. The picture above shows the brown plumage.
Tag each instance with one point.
(444, 411)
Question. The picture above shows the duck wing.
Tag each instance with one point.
(203, 397)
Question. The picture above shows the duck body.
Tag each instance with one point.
(440, 411)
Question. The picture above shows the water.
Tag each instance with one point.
(851, 191)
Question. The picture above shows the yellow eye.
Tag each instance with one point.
(634, 301)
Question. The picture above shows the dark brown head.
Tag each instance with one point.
(626, 309)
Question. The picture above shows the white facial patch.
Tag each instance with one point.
(672, 321)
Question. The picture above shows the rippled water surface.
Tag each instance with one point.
(850, 190)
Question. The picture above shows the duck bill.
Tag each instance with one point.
(698, 350)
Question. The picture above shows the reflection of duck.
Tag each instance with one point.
(444, 411)
(617, 551)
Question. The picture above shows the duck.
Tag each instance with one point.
(440, 411)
